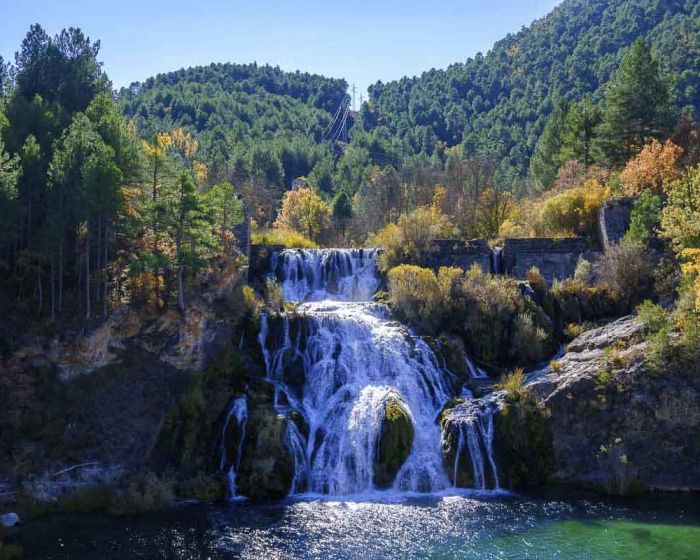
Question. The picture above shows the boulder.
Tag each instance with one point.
(617, 424)
(394, 442)
(266, 467)
(9, 519)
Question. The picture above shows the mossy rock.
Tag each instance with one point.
(450, 445)
(205, 488)
(523, 442)
(393, 444)
(267, 467)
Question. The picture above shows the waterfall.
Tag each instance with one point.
(320, 274)
(472, 421)
(337, 362)
(497, 260)
(239, 412)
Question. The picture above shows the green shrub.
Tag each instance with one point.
(144, 493)
(528, 340)
(644, 218)
(536, 281)
(584, 271)
(274, 295)
(654, 317)
(497, 323)
(513, 384)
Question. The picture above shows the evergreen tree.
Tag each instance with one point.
(547, 158)
(579, 132)
(638, 105)
(342, 210)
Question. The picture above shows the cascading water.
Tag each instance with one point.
(238, 411)
(323, 274)
(472, 421)
(337, 363)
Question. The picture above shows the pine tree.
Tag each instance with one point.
(579, 132)
(546, 158)
(638, 105)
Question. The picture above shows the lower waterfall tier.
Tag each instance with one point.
(362, 398)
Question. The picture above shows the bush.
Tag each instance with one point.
(584, 271)
(415, 295)
(274, 295)
(278, 236)
(577, 303)
(406, 241)
(574, 212)
(625, 270)
(536, 281)
(654, 317)
(645, 217)
(497, 323)
(528, 339)
(513, 383)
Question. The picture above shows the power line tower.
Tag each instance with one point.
(353, 98)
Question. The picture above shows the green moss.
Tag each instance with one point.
(195, 423)
(523, 442)
(394, 443)
(205, 488)
(266, 468)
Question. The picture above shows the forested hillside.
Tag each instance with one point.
(251, 121)
(498, 103)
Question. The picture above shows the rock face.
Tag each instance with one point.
(267, 467)
(394, 443)
(617, 425)
(522, 442)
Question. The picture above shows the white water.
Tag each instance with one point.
(354, 358)
(327, 274)
(473, 421)
(239, 412)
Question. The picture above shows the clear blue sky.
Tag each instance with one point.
(362, 41)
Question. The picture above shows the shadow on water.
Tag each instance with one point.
(548, 525)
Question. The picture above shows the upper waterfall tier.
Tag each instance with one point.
(327, 274)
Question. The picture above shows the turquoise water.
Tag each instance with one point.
(467, 526)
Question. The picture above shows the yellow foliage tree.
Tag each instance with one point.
(654, 166)
(304, 211)
(574, 212)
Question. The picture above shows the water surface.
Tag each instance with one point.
(479, 526)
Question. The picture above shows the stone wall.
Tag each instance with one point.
(614, 219)
(556, 258)
(259, 261)
(462, 254)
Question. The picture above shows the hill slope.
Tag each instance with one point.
(245, 116)
(496, 103)
(499, 102)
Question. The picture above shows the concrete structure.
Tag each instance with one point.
(463, 254)
(614, 219)
(556, 258)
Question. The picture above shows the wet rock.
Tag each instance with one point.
(9, 519)
(394, 443)
(522, 442)
(266, 468)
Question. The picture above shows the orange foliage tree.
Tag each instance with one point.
(655, 165)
